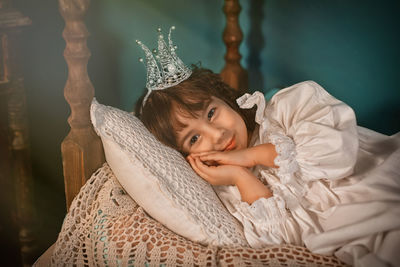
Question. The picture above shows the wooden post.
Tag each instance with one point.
(11, 24)
(82, 150)
(233, 73)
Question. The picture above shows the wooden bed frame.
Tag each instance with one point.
(82, 151)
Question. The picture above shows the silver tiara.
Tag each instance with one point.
(173, 70)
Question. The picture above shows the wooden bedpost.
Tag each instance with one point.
(19, 171)
(82, 150)
(233, 73)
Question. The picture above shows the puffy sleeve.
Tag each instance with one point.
(265, 222)
(312, 131)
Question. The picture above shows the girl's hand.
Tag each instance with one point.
(249, 186)
(216, 175)
(243, 157)
(263, 154)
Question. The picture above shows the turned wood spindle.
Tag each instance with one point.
(82, 150)
(233, 73)
(12, 22)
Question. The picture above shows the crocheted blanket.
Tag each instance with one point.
(106, 227)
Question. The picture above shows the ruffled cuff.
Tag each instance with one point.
(248, 101)
(267, 221)
(264, 210)
(286, 158)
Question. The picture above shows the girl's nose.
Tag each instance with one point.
(217, 135)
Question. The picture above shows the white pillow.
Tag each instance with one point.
(160, 180)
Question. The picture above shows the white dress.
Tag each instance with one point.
(337, 188)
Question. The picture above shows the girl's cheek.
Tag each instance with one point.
(200, 146)
(207, 145)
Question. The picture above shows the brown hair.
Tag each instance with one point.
(189, 97)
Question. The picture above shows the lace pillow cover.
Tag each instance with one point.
(160, 180)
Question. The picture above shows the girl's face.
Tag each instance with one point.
(217, 128)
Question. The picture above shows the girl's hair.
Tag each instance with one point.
(188, 97)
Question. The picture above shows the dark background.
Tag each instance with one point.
(349, 47)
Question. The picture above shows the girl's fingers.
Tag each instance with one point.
(198, 154)
(193, 163)
(207, 155)
(210, 157)
(219, 158)
(211, 172)
(215, 175)
(200, 165)
(197, 167)
(208, 173)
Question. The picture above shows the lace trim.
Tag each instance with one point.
(286, 159)
(264, 211)
(288, 171)
(268, 221)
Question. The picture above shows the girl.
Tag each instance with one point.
(296, 169)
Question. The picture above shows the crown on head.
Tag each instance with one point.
(169, 71)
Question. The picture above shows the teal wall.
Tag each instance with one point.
(349, 47)
(115, 25)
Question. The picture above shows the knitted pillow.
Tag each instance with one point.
(160, 180)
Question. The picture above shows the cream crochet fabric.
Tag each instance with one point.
(105, 227)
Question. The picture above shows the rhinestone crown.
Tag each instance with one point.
(169, 71)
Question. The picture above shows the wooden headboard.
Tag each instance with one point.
(82, 151)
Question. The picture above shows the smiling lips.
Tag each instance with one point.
(231, 145)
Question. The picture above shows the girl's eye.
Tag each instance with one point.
(194, 139)
(211, 113)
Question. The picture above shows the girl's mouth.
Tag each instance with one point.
(231, 145)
